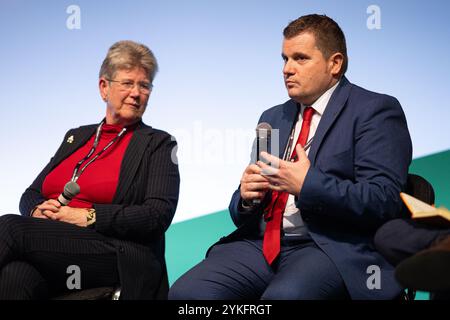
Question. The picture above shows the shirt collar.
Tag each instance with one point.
(321, 103)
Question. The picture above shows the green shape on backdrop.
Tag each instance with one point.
(188, 241)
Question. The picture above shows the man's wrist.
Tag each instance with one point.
(246, 205)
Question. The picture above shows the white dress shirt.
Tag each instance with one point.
(292, 220)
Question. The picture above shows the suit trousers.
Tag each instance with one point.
(237, 270)
(42, 258)
(399, 239)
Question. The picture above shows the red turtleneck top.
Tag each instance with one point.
(98, 182)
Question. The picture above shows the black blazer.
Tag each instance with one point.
(142, 208)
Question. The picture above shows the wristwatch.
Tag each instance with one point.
(247, 206)
(90, 217)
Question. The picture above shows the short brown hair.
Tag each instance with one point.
(329, 36)
(128, 55)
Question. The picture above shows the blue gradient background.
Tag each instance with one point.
(220, 67)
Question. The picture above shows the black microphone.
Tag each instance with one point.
(263, 136)
(71, 189)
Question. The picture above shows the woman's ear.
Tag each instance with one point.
(104, 88)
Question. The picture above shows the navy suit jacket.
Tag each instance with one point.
(359, 164)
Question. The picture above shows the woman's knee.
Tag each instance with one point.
(21, 281)
(9, 228)
(10, 220)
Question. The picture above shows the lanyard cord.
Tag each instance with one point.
(76, 173)
(291, 136)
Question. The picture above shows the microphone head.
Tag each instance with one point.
(263, 139)
(263, 126)
(71, 189)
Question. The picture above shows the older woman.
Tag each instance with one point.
(121, 191)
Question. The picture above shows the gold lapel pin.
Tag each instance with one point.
(70, 139)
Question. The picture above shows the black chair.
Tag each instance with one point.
(101, 293)
(113, 292)
(421, 189)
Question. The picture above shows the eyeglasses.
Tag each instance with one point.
(128, 85)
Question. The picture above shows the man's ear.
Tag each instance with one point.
(336, 63)
(103, 86)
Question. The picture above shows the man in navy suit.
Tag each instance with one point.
(310, 235)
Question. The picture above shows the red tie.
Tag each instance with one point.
(274, 211)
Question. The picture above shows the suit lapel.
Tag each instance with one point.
(332, 111)
(76, 139)
(132, 159)
(285, 125)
